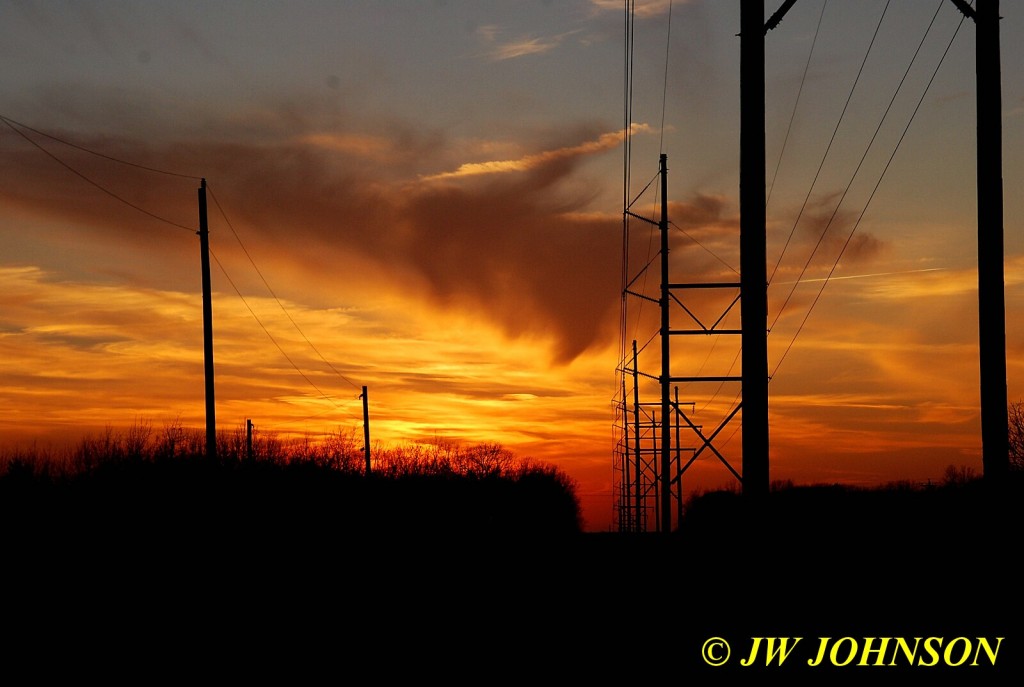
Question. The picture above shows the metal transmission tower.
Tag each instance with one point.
(650, 458)
(648, 464)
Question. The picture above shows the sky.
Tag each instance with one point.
(426, 198)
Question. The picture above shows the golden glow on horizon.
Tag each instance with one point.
(445, 376)
(74, 353)
(444, 225)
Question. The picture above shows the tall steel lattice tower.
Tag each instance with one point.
(651, 455)
(658, 441)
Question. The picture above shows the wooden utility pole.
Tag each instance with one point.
(366, 429)
(204, 248)
(248, 439)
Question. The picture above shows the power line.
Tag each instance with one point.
(713, 254)
(664, 89)
(278, 300)
(856, 171)
(875, 189)
(14, 126)
(627, 128)
(9, 121)
(835, 131)
(721, 385)
(267, 331)
(287, 423)
(792, 116)
(11, 124)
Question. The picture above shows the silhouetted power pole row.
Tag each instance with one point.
(211, 408)
(645, 450)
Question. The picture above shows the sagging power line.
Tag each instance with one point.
(20, 129)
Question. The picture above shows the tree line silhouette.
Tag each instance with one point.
(156, 483)
(140, 479)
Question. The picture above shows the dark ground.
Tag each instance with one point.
(301, 601)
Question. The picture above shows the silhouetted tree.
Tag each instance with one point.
(958, 476)
(135, 482)
(1015, 422)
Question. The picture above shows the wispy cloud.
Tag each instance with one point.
(606, 141)
(525, 46)
(642, 9)
(342, 217)
(520, 46)
(351, 144)
(935, 282)
(863, 276)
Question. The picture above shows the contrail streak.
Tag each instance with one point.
(865, 276)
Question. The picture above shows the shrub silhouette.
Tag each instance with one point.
(140, 482)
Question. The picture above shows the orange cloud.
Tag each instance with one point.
(305, 211)
(360, 145)
(79, 356)
(473, 311)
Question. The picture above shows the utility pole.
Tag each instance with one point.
(637, 526)
(753, 270)
(991, 303)
(366, 429)
(204, 248)
(653, 478)
(666, 427)
(995, 445)
(248, 439)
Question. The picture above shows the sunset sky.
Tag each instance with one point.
(425, 197)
